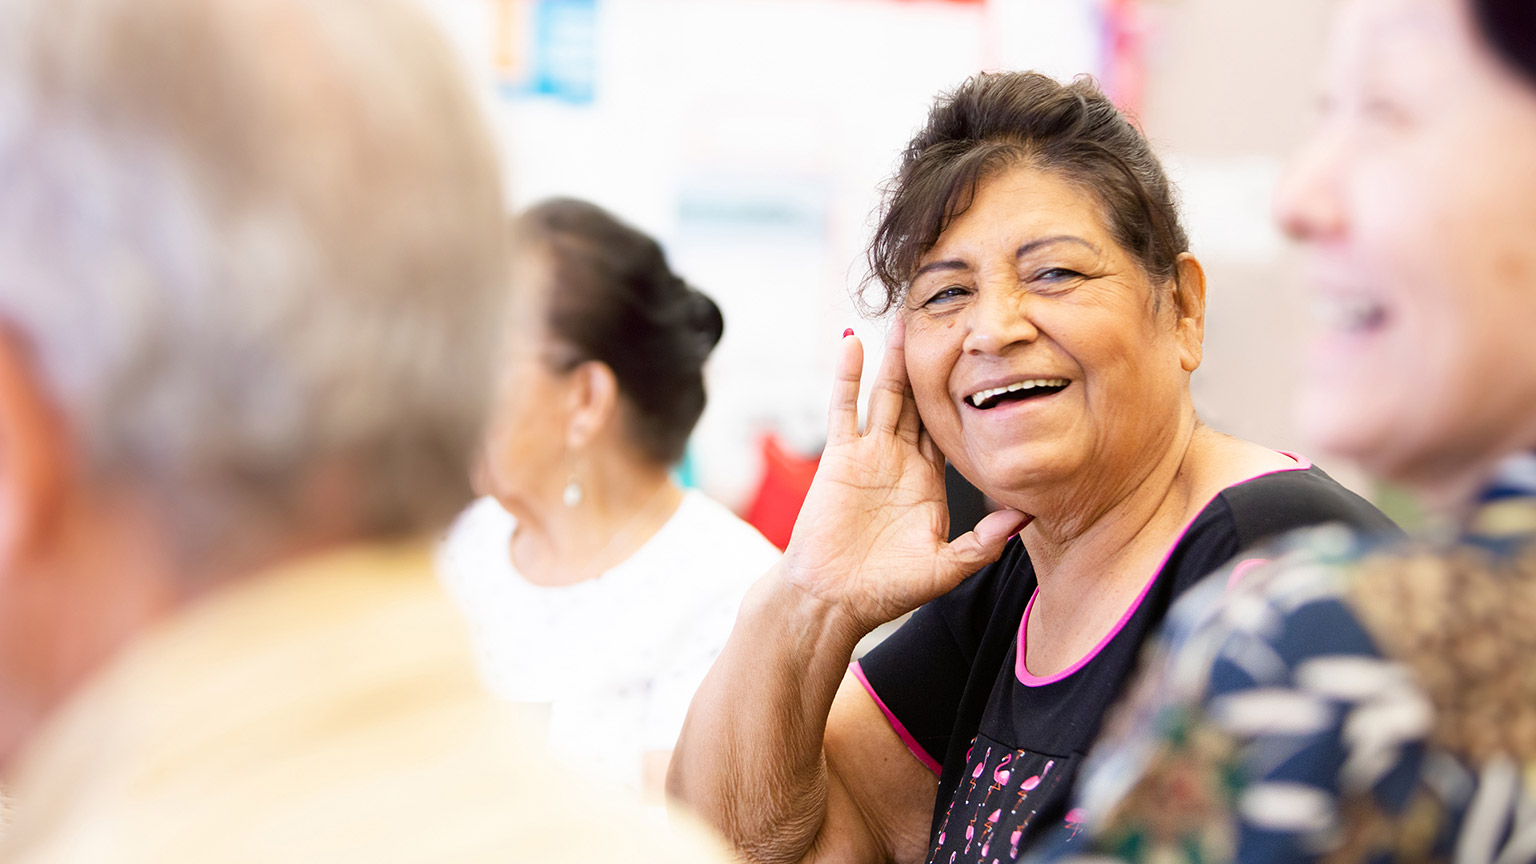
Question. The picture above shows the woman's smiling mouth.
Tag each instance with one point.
(1015, 392)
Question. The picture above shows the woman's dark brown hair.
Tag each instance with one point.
(1510, 27)
(613, 298)
(995, 121)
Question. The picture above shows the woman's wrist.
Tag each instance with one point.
(817, 626)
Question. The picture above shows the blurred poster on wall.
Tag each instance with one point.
(547, 48)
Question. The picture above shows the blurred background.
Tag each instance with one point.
(752, 137)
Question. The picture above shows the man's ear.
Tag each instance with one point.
(1189, 302)
(594, 401)
(34, 463)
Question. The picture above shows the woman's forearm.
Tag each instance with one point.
(750, 758)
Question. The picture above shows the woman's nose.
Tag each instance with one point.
(999, 317)
(1309, 204)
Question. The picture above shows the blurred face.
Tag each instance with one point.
(1034, 349)
(525, 447)
(1416, 201)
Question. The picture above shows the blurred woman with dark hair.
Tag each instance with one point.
(1048, 316)
(594, 584)
(1356, 700)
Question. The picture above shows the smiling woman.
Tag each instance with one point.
(1048, 316)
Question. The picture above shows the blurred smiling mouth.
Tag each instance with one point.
(1018, 391)
(1354, 314)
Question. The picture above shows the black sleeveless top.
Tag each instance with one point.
(1007, 745)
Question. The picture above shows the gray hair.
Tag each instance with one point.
(244, 239)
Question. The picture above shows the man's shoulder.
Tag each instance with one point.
(334, 715)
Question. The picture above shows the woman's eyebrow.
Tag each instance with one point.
(1031, 246)
(1034, 245)
(946, 264)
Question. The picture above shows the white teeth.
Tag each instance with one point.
(977, 399)
(1349, 314)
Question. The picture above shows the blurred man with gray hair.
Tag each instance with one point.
(251, 256)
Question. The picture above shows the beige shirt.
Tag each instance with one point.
(326, 711)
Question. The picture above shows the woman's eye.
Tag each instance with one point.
(945, 295)
(1057, 274)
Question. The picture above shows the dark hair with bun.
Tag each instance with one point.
(1510, 27)
(994, 121)
(614, 299)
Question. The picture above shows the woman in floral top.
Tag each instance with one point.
(1357, 700)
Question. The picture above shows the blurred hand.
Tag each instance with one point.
(871, 538)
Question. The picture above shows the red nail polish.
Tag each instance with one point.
(848, 332)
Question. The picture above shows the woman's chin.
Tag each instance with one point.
(1347, 423)
(1016, 480)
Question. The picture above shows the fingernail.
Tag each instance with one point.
(848, 332)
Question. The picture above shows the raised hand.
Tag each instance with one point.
(871, 537)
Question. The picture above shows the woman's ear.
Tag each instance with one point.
(1189, 304)
(593, 403)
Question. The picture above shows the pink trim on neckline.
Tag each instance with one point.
(1030, 680)
(901, 731)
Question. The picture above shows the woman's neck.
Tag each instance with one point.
(1104, 510)
(1091, 570)
(555, 544)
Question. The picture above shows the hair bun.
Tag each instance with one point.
(704, 318)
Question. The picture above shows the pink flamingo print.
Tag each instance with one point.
(1030, 784)
(990, 789)
(991, 826)
(1002, 774)
(1075, 818)
(976, 774)
(970, 834)
(945, 824)
(1014, 838)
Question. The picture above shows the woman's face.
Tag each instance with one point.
(525, 448)
(1026, 290)
(1416, 200)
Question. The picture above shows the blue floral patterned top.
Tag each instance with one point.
(1349, 701)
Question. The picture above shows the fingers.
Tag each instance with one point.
(929, 450)
(843, 413)
(891, 407)
(909, 424)
(996, 527)
(983, 544)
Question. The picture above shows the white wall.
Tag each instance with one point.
(750, 137)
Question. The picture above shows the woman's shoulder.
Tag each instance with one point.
(1278, 502)
(1245, 519)
(477, 540)
(723, 528)
(705, 536)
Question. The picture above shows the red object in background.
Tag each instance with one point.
(786, 479)
(1125, 60)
